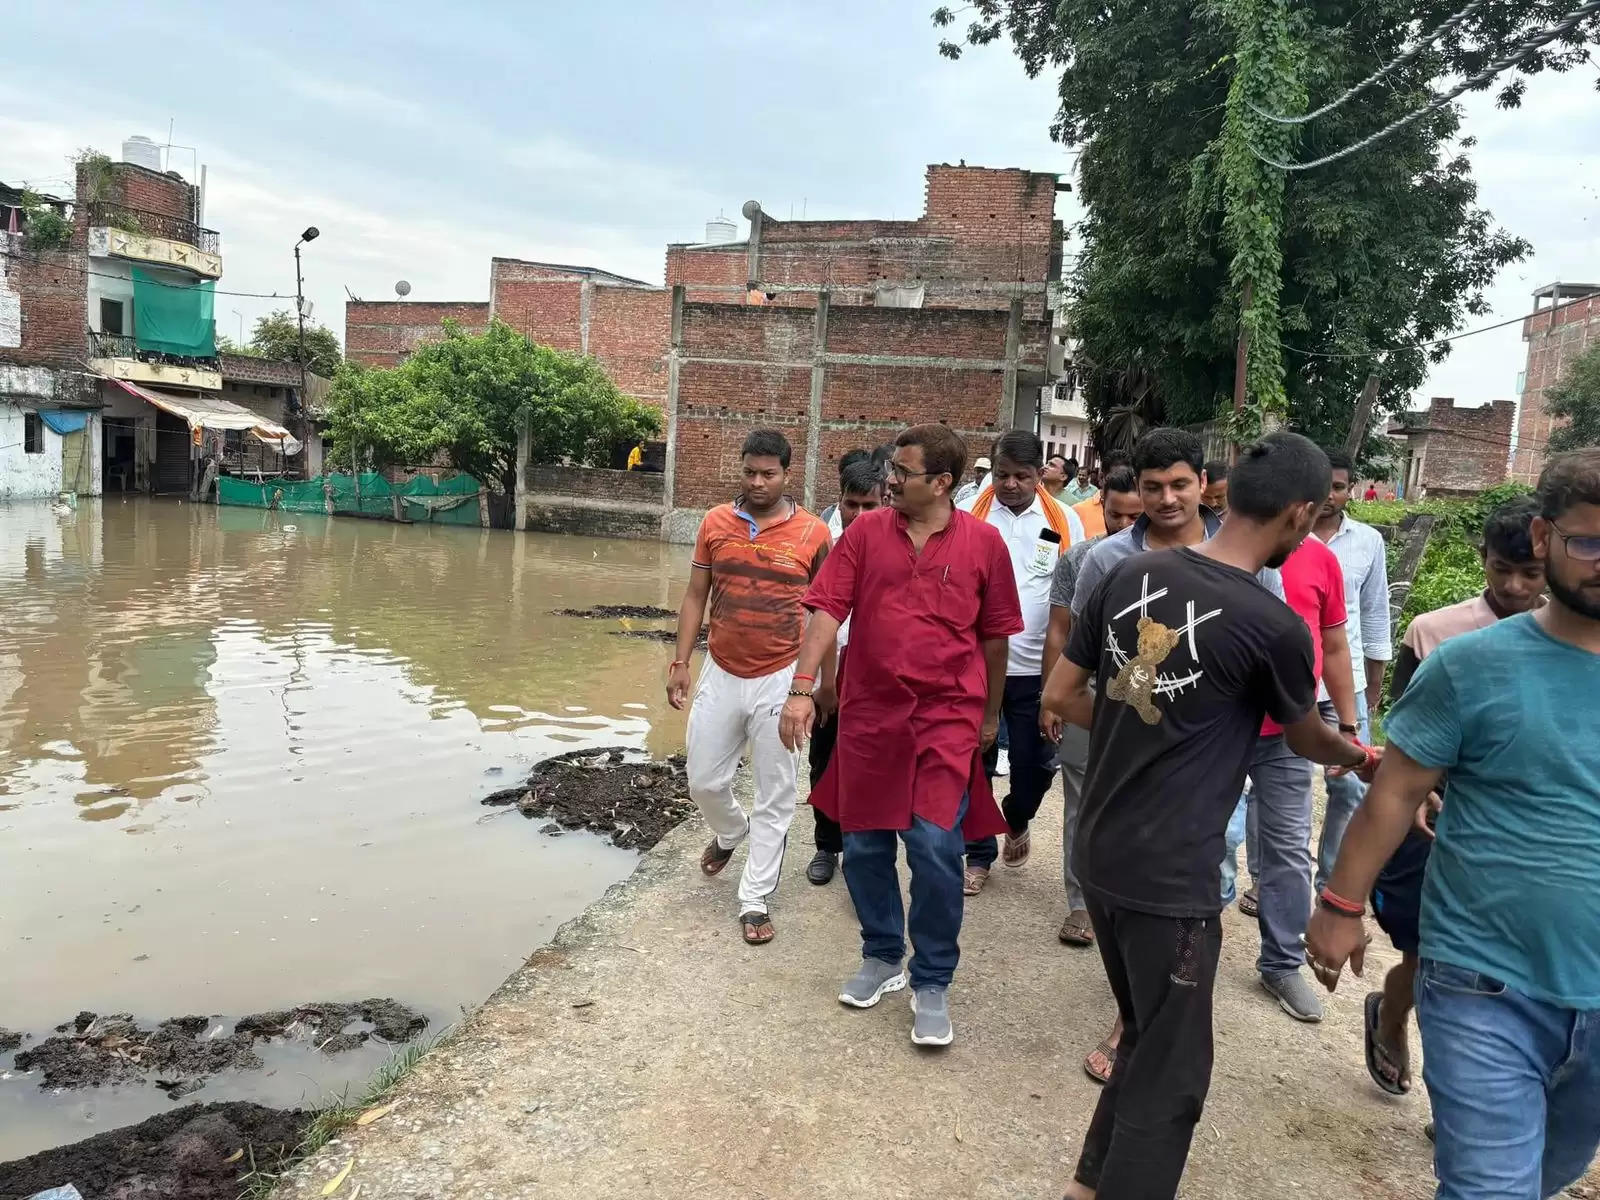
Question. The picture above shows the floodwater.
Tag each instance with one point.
(240, 759)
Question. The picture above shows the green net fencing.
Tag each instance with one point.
(453, 501)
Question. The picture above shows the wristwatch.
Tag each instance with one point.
(1343, 728)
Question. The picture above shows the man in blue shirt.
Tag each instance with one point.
(1508, 993)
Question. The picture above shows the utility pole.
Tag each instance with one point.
(1363, 414)
(1241, 362)
(310, 235)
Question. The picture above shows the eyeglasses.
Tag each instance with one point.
(1581, 546)
(901, 474)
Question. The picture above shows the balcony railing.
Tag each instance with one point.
(139, 220)
(121, 345)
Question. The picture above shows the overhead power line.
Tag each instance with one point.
(1512, 58)
(1394, 64)
(1374, 351)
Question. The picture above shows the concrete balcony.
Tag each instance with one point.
(1064, 400)
(120, 358)
(116, 231)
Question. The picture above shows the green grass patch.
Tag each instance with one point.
(339, 1114)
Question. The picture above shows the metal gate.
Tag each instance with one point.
(172, 454)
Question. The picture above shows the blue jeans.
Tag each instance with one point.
(1033, 764)
(1274, 821)
(1345, 794)
(935, 858)
(1514, 1084)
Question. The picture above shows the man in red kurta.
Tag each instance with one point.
(932, 602)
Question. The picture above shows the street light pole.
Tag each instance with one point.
(310, 235)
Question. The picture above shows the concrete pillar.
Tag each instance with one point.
(752, 213)
(519, 516)
(674, 363)
(819, 371)
(1008, 378)
(585, 299)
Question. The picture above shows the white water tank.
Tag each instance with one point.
(141, 152)
(720, 231)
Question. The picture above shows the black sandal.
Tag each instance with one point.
(713, 858)
(1399, 1085)
(752, 923)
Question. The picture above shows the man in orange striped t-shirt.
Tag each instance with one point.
(753, 560)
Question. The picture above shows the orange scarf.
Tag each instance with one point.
(1054, 514)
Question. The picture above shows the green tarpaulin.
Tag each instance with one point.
(452, 501)
(173, 319)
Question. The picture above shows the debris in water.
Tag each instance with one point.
(391, 1021)
(643, 612)
(613, 791)
(196, 1152)
(668, 636)
(9, 1040)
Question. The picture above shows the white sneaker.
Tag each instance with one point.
(1002, 765)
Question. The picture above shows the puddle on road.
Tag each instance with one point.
(240, 766)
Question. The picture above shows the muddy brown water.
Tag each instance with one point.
(241, 755)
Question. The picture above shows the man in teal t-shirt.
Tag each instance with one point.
(1508, 993)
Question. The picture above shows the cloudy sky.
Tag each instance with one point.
(422, 139)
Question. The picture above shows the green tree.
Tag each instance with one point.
(44, 227)
(1576, 399)
(466, 397)
(278, 336)
(1387, 248)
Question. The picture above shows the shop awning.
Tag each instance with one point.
(213, 412)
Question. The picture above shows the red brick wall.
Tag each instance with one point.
(51, 285)
(548, 310)
(981, 229)
(144, 189)
(1466, 452)
(628, 333)
(763, 378)
(1554, 340)
(380, 333)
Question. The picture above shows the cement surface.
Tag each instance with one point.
(649, 1053)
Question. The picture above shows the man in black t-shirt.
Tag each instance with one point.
(1189, 652)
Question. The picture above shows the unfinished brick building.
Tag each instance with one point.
(1565, 323)
(1456, 451)
(838, 332)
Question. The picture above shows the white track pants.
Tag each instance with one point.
(728, 713)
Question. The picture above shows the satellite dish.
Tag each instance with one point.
(402, 289)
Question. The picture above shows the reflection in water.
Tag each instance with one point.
(238, 763)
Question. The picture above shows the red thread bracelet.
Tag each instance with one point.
(1332, 900)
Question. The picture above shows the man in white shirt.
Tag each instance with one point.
(969, 490)
(1364, 559)
(1037, 530)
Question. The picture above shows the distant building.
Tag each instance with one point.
(1565, 322)
(108, 362)
(839, 333)
(1452, 451)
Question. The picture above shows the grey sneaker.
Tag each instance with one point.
(1294, 995)
(931, 1026)
(875, 980)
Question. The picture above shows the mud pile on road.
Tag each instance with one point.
(197, 1152)
(181, 1053)
(634, 801)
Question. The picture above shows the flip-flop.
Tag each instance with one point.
(1250, 904)
(752, 923)
(1110, 1052)
(713, 858)
(1376, 1050)
(973, 879)
(1077, 933)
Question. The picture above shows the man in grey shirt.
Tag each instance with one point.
(1119, 500)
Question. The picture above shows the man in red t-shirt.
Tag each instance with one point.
(1276, 812)
(932, 603)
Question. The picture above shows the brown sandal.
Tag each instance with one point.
(973, 879)
(757, 928)
(1016, 847)
(1077, 930)
(1109, 1052)
(713, 858)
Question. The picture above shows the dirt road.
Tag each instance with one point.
(648, 1052)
